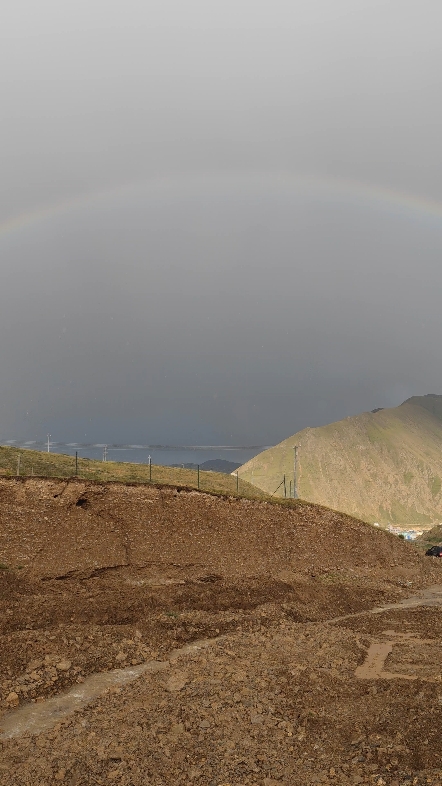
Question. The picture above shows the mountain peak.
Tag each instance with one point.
(384, 466)
(431, 402)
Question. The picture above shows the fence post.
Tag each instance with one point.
(285, 488)
(18, 466)
(198, 474)
(237, 482)
(295, 471)
(76, 462)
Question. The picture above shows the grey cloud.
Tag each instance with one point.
(227, 304)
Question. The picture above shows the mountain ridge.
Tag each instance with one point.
(383, 466)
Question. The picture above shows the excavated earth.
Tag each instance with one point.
(156, 636)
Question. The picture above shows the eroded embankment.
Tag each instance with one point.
(73, 529)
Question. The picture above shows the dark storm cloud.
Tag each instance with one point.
(221, 311)
(224, 307)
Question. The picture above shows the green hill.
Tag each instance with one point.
(383, 466)
(26, 463)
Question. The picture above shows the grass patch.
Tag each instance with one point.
(55, 465)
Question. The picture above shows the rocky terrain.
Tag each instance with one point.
(159, 636)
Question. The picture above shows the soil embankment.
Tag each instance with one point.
(100, 577)
(57, 529)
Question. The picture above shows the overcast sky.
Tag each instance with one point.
(197, 273)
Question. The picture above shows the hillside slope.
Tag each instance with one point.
(383, 466)
(55, 529)
(56, 465)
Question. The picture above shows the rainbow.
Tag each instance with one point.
(366, 195)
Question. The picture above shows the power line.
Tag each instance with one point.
(48, 443)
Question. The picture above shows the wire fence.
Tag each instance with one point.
(287, 489)
(15, 462)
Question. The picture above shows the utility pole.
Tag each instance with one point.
(49, 437)
(295, 472)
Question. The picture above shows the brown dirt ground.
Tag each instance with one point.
(99, 577)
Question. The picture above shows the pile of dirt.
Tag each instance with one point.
(278, 705)
(60, 529)
(113, 579)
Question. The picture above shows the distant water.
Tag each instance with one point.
(167, 457)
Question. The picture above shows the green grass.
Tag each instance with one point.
(383, 467)
(54, 465)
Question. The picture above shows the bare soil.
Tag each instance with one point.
(100, 577)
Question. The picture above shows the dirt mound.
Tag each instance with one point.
(103, 578)
(59, 529)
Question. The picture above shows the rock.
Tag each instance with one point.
(51, 659)
(114, 774)
(205, 724)
(176, 681)
(177, 729)
(63, 665)
(33, 665)
(60, 775)
(12, 699)
(121, 657)
(116, 753)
